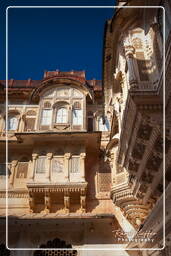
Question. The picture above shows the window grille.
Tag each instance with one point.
(74, 163)
(41, 165)
(63, 92)
(31, 113)
(61, 116)
(47, 104)
(142, 66)
(46, 117)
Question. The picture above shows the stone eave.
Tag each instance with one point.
(54, 216)
(51, 136)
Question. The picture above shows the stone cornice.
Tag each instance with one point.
(15, 194)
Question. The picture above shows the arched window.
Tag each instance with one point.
(104, 125)
(12, 123)
(62, 116)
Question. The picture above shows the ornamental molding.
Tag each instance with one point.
(37, 188)
(14, 194)
(150, 107)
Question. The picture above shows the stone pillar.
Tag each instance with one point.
(47, 203)
(66, 166)
(82, 166)
(13, 166)
(48, 170)
(129, 53)
(32, 173)
(66, 201)
(83, 202)
(31, 203)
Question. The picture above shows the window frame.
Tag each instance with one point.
(41, 117)
(7, 123)
(66, 116)
(45, 169)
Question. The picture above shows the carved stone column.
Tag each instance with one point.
(13, 167)
(129, 53)
(31, 203)
(48, 170)
(32, 173)
(66, 165)
(47, 203)
(82, 166)
(66, 201)
(83, 202)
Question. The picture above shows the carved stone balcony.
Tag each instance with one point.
(57, 197)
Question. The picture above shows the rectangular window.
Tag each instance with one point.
(41, 165)
(46, 117)
(74, 165)
(57, 164)
(142, 66)
(12, 123)
(77, 117)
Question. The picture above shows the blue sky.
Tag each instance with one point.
(50, 39)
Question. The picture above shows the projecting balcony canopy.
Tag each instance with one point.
(87, 137)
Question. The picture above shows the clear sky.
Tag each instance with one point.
(50, 39)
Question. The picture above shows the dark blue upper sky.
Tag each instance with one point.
(50, 39)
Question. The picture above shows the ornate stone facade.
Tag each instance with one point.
(85, 159)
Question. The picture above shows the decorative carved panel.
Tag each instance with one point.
(74, 165)
(133, 166)
(144, 132)
(147, 178)
(41, 168)
(31, 113)
(153, 163)
(104, 182)
(56, 243)
(159, 145)
(138, 151)
(77, 105)
(57, 164)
